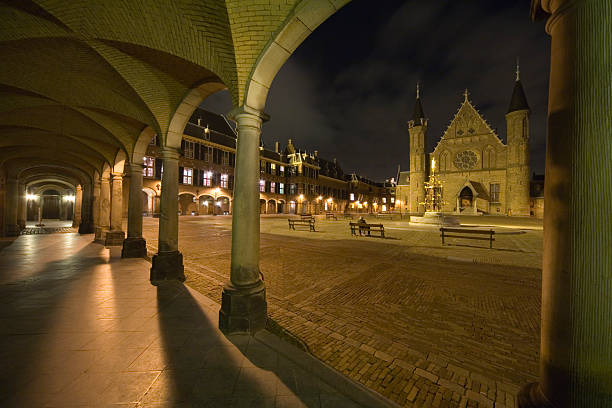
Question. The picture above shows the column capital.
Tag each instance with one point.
(117, 175)
(79, 187)
(245, 111)
(136, 167)
(551, 9)
(170, 153)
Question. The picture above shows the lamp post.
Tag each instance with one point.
(300, 200)
(319, 198)
(215, 195)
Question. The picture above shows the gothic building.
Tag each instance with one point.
(480, 174)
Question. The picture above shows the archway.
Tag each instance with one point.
(50, 204)
(466, 198)
(271, 207)
(187, 204)
(206, 204)
(280, 207)
(262, 206)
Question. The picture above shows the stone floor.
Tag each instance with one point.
(80, 327)
(420, 323)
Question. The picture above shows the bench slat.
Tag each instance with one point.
(464, 237)
(467, 231)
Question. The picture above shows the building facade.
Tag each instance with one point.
(480, 174)
(292, 181)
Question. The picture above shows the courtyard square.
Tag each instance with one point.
(407, 317)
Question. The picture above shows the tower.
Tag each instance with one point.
(417, 128)
(517, 171)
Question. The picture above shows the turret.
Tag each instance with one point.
(517, 173)
(417, 128)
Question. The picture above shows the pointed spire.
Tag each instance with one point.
(518, 100)
(417, 113)
(466, 95)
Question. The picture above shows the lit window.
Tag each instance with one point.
(207, 179)
(281, 188)
(149, 166)
(282, 170)
(384, 207)
(392, 200)
(352, 197)
(384, 199)
(187, 175)
(262, 186)
(273, 166)
(273, 187)
(224, 179)
(226, 158)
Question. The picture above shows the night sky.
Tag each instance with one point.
(349, 89)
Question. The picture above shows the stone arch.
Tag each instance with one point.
(187, 203)
(188, 105)
(281, 206)
(119, 164)
(271, 207)
(149, 204)
(140, 147)
(262, 206)
(307, 16)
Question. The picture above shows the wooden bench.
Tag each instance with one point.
(331, 216)
(306, 216)
(367, 229)
(348, 215)
(467, 234)
(302, 222)
(384, 215)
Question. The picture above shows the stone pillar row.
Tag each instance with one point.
(22, 214)
(11, 228)
(78, 198)
(576, 337)
(115, 235)
(243, 306)
(134, 246)
(167, 264)
(103, 209)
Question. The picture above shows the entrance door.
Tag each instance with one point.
(466, 197)
(51, 207)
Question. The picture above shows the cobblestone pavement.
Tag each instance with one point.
(422, 324)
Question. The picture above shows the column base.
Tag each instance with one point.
(100, 235)
(114, 238)
(531, 396)
(134, 248)
(86, 228)
(243, 309)
(12, 230)
(22, 224)
(167, 266)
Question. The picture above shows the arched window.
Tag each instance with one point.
(488, 158)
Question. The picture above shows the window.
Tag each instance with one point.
(292, 188)
(189, 148)
(187, 175)
(281, 188)
(206, 178)
(384, 199)
(262, 186)
(224, 179)
(273, 167)
(226, 158)
(392, 200)
(282, 170)
(352, 196)
(149, 166)
(153, 141)
(494, 188)
(272, 187)
(206, 153)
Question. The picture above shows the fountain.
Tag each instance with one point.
(433, 202)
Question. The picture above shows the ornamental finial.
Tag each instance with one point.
(518, 70)
(418, 91)
(466, 94)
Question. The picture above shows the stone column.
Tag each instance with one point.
(22, 215)
(168, 262)
(243, 306)
(78, 197)
(104, 209)
(134, 246)
(115, 236)
(95, 204)
(576, 337)
(86, 226)
(11, 229)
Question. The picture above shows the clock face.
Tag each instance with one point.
(466, 160)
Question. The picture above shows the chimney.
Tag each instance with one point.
(316, 153)
(277, 147)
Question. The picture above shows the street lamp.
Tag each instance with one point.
(300, 199)
(319, 198)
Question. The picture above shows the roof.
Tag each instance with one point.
(417, 113)
(518, 101)
(330, 169)
(215, 122)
